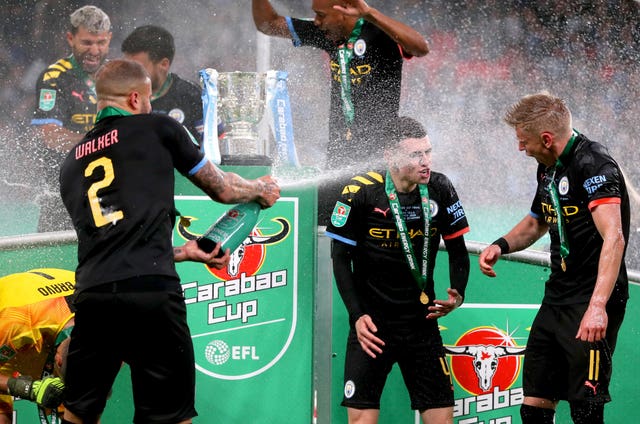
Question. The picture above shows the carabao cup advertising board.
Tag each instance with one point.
(251, 321)
(484, 340)
(485, 345)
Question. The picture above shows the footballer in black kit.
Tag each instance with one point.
(389, 291)
(67, 98)
(183, 102)
(385, 288)
(122, 207)
(588, 177)
(376, 74)
(136, 204)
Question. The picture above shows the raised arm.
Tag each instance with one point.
(411, 41)
(267, 20)
(227, 187)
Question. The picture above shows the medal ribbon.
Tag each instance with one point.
(555, 200)
(345, 53)
(420, 275)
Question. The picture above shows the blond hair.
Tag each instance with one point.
(540, 112)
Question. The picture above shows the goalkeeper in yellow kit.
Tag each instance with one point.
(35, 323)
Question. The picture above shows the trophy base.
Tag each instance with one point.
(246, 160)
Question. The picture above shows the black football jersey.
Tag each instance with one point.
(118, 186)
(362, 218)
(376, 75)
(183, 102)
(65, 97)
(589, 177)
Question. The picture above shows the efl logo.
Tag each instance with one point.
(219, 352)
(484, 358)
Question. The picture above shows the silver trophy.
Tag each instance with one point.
(235, 106)
(241, 106)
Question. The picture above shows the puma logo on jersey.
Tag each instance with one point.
(592, 386)
(383, 212)
(78, 95)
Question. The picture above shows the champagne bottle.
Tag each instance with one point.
(231, 229)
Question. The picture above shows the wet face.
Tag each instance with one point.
(89, 49)
(412, 162)
(330, 21)
(156, 70)
(533, 145)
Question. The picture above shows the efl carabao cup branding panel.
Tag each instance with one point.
(242, 318)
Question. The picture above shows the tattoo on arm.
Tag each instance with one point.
(225, 187)
(178, 254)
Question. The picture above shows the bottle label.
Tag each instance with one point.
(227, 226)
(231, 220)
(234, 226)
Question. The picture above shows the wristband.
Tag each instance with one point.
(503, 245)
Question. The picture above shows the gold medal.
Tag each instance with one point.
(424, 299)
(563, 265)
(348, 134)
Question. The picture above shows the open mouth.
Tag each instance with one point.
(91, 62)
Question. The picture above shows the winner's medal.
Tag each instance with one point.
(419, 273)
(563, 265)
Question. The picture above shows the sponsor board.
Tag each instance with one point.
(485, 347)
(242, 317)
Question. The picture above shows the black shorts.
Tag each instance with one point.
(141, 322)
(422, 362)
(558, 366)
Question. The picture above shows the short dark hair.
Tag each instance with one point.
(151, 39)
(118, 77)
(402, 128)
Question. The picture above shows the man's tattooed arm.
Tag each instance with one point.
(228, 187)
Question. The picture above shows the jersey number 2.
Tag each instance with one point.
(101, 216)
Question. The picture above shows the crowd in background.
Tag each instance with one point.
(484, 55)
